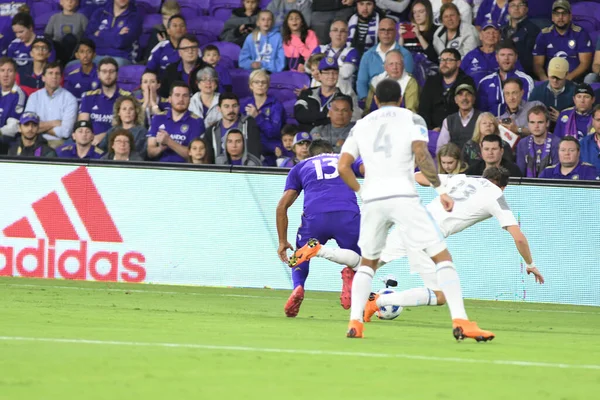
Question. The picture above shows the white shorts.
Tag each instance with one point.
(414, 225)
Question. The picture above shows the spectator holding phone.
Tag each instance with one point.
(241, 23)
(417, 36)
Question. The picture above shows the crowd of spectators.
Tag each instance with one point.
(494, 86)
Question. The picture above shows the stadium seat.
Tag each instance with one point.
(70, 68)
(588, 23)
(149, 6)
(289, 111)
(586, 8)
(239, 81)
(221, 9)
(130, 76)
(44, 7)
(150, 21)
(594, 36)
(284, 83)
(40, 21)
(87, 7)
(228, 50)
(206, 29)
(190, 8)
(595, 86)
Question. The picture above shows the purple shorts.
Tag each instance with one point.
(343, 226)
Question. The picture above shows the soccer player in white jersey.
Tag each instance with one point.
(390, 141)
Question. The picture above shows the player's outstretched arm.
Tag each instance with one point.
(427, 166)
(346, 172)
(523, 248)
(421, 180)
(288, 198)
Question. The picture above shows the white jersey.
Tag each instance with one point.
(475, 200)
(384, 141)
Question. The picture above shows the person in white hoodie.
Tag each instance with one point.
(454, 32)
(205, 102)
(466, 11)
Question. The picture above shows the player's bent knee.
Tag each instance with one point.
(441, 299)
(371, 263)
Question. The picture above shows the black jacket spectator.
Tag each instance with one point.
(231, 30)
(478, 167)
(214, 138)
(309, 111)
(524, 39)
(39, 149)
(173, 73)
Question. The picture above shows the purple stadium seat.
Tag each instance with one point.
(40, 21)
(87, 7)
(149, 6)
(70, 68)
(432, 144)
(190, 8)
(284, 83)
(221, 9)
(595, 86)
(229, 51)
(130, 76)
(44, 7)
(150, 21)
(586, 8)
(289, 111)
(239, 81)
(206, 29)
(595, 36)
(588, 23)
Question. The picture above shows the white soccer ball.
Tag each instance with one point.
(388, 312)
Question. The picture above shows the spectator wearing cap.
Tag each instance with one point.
(557, 92)
(340, 115)
(494, 11)
(229, 107)
(172, 131)
(30, 74)
(490, 92)
(312, 107)
(97, 105)
(55, 106)
(85, 77)
(267, 111)
(362, 26)
(570, 165)
(184, 69)
(458, 127)
(590, 145)
(437, 96)
(12, 103)
(235, 151)
(83, 137)
(576, 121)
(20, 49)
(522, 32)
(462, 6)
(540, 149)
(482, 61)
(515, 116)
(165, 52)
(29, 143)
(454, 33)
(394, 69)
(116, 29)
(302, 141)
(563, 39)
(371, 63)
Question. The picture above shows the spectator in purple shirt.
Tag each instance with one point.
(540, 149)
(165, 52)
(302, 141)
(569, 165)
(12, 103)
(20, 48)
(577, 121)
(85, 77)
(287, 141)
(116, 29)
(83, 147)
(211, 56)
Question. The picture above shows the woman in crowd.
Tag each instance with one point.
(128, 115)
(197, 152)
(205, 102)
(454, 33)
(151, 102)
(121, 146)
(449, 160)
(298, 41)
(267, 111)
(418, 35)
(485, 125)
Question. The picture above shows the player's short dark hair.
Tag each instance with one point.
(108, 60)
(571, 139)
(228, 96)
(190, 37)
(344, 97)
(454, 52)
(176, 16)
(54, 64)
(319, 146)
(514, 80)
(498, 175)
(538, 110)
(493, 139)
(388, 91)
(177, 84)
(212, 47)
(86, 42)
(288, 129)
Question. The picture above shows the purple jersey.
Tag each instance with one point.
(70, 151)
(189, 127)
(100, 108)
(324, 190)
(77, 82)
(550, 44)
(489, 11)
(162, 55)
(20, 52)
(12, 104)
(583, 172)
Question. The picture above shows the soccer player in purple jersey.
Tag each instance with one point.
(330, 212)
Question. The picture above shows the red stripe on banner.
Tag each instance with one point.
(54, 219)
(90, 207)
(20, 229)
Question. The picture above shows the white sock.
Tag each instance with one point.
(408, 298)
(340, 256)
(361, 289)
(450, 285)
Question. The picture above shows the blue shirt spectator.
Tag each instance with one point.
(263, 51)
(590, 148)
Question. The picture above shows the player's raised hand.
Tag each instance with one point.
(282, 251)
(447, 202)
(536, 274)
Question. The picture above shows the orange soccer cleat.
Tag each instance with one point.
(294, 302)
(371, 307)
(355, 329)
(346, 295)
(305, 253)
(463, 328)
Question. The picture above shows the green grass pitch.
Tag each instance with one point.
(83, 340)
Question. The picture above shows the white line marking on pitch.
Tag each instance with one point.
(269, 297)
(304, 352)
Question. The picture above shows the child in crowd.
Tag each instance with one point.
(159, 32)
(287, 140)
(300, 145)
(313, 67)
(66, 28)
(197, 152)
(264, 47)
(241, 23)
(298, 41)
(211, 55)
